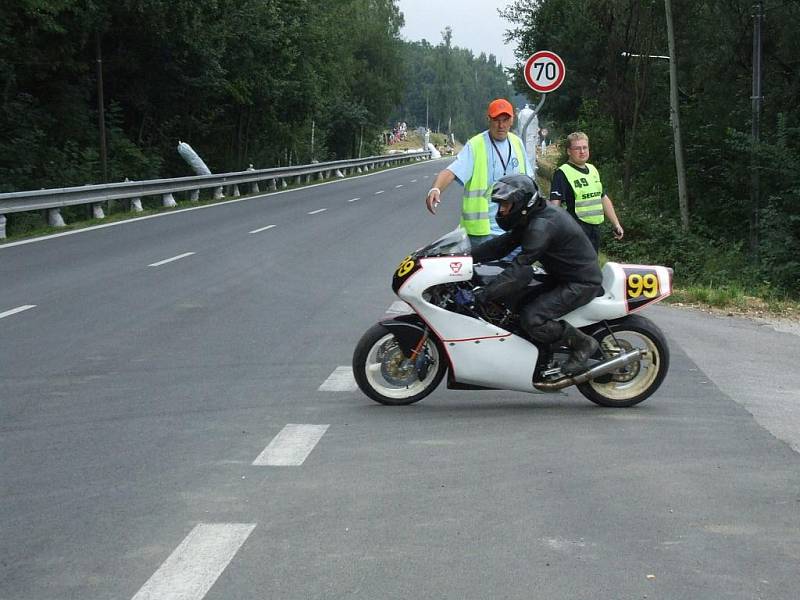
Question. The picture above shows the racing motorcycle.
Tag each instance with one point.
(403, 358)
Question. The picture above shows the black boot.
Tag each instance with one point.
(582, 346)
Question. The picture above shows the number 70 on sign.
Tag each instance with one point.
(544, 71)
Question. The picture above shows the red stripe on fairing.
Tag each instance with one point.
(486, 337)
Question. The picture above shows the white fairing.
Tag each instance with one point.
(615, 302)
(480, 353)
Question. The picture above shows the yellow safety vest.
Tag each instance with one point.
(588, 192)
(478, 190)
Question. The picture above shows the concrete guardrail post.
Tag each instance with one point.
(218, 195)
(253, 186)
(54, 218)
(284, 185)
(339, 174)
(272, 185)
(2, 227)
(194, 196)
(97, 211)
(168, 201)
(236, 193)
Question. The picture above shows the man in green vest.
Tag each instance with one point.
(576, 186)
(484, 159)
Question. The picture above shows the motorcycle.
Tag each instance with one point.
(403, 358)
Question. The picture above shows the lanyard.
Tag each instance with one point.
(505, 162)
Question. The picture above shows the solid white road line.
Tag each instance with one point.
(263, 229)
(316, 212)
(195, 565)
(353, 199)
(378, 192)
(14, 311)
(341, 380)
(169, 260)
(291, 446)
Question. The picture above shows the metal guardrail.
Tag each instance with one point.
(53, 200)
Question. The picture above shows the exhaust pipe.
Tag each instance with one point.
(596, 371)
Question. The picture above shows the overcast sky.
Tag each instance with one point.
(475, 23)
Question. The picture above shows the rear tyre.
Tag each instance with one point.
(383, 373)
(636, 382)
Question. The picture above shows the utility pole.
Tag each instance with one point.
(755, 183)
(312, 139)
(683, 200)
(101, 115)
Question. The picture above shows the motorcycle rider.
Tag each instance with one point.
(552, 237)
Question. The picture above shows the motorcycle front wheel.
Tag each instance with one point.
(635, 382)
(383, 373)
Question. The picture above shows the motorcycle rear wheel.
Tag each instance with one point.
(384, 374)
(636, 382)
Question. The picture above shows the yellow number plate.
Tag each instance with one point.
(641, 286)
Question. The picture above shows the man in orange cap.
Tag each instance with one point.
(484, 159)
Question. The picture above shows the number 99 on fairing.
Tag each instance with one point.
(642, 285)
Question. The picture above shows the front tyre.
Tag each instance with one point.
(637, 381)
(383, 373)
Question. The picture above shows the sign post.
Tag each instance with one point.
(544, 72)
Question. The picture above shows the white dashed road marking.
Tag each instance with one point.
(353, 199)
(195, 565)
(413, 181)
(378, 192)
(341, 380)
(169, 260)
(398, 186)
(14, 311)
(316, 212)
(291, 446)
(263, 229)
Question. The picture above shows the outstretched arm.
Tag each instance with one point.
(443, 179)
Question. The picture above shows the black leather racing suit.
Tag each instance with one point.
(552, 237)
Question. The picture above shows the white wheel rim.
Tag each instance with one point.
(372, 369)
(648, 368)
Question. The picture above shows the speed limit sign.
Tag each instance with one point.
(544, 71)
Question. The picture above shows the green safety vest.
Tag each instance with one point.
(478, 190)
(588, 192)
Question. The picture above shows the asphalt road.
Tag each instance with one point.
(135, 400)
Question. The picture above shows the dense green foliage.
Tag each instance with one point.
(622, 102)
(240, 80)
(448, 88)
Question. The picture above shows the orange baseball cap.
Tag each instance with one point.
(499, 107)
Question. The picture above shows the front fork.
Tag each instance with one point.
(422, 361)
(412, 335)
